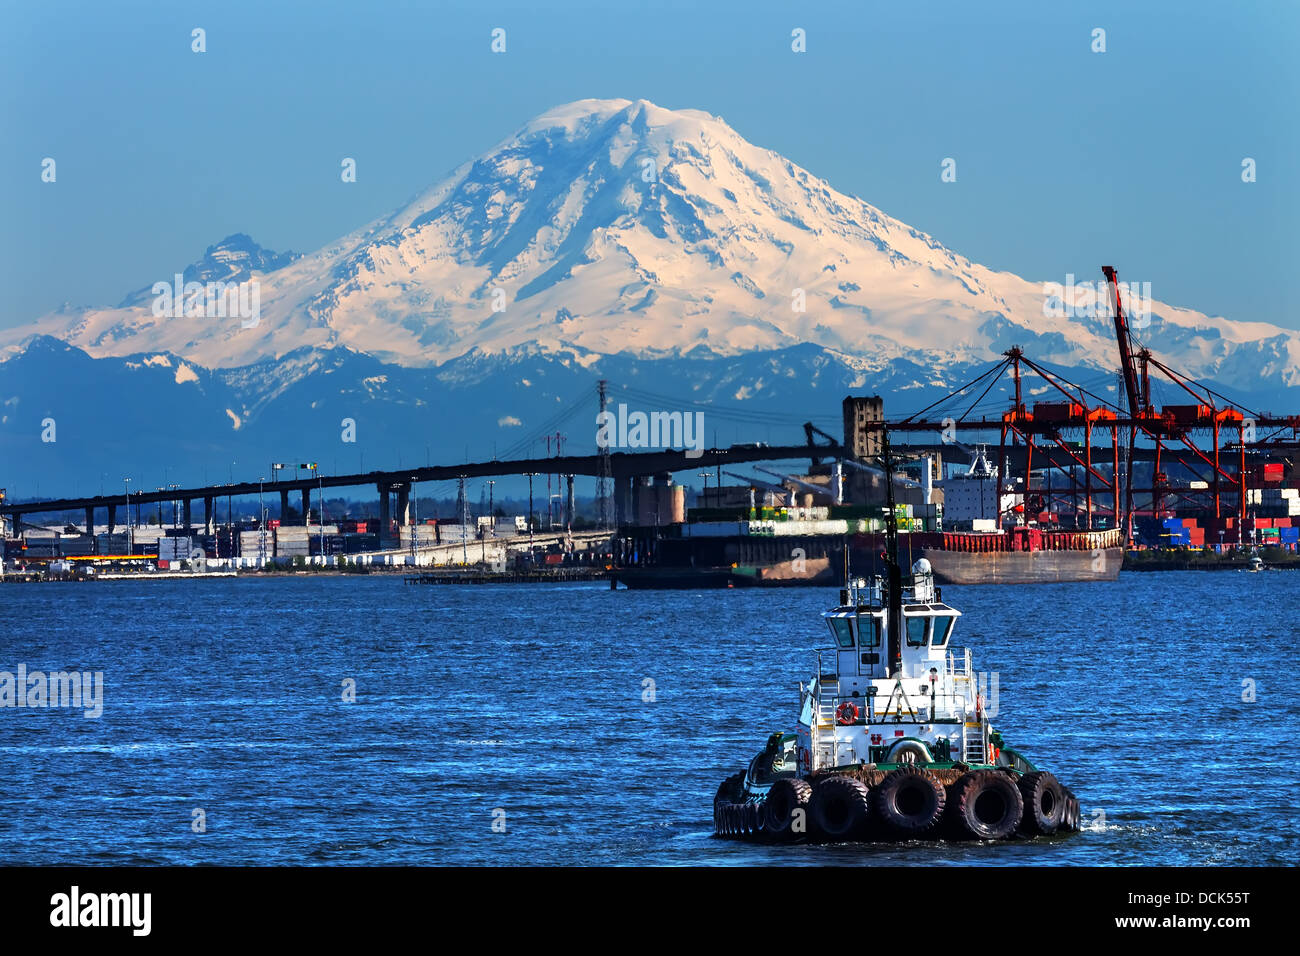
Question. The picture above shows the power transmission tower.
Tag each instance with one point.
(606, 478)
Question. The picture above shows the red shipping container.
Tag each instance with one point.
(555, 559)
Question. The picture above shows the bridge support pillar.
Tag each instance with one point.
(568, 502)
(404, 503)
(187, 514)
(209, 517)
(112, 518)
(90, 521)
(306, 503)
(385, 514)
(641, 509)
(284, 506)
(622, 500)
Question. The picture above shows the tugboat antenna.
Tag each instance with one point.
(844, 545)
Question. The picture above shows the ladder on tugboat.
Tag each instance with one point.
(825, 716)
(825, 741)
(973, 748)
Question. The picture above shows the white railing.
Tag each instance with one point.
(959, 663)
(884, 709)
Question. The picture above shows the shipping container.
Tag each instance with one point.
(1057, 411)
(1188, 414)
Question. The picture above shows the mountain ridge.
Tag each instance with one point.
(617, 226)
(656, 249)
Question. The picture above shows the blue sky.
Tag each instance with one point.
(1067, 159)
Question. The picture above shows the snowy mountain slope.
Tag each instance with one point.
(653, 248)
(610, 226)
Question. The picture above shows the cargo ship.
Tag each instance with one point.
(1018, 555)
(986, 531)
(797, 553)
(999, 541)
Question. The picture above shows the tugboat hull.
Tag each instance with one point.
(903, 802)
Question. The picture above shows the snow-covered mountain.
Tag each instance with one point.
(616, 233)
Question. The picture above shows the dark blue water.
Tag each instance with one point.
(524, 705)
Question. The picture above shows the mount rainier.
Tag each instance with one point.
(606, 238)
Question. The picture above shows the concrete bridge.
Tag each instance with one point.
(394, 487)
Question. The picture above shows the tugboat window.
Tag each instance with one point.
(842, 630)
(942, 628)
(869, 631)
(916, 631)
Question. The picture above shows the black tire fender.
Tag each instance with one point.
(786, 796)
(909, 801)
(987, 805)
(1046, 805)
(840, 808)
(1070, 822)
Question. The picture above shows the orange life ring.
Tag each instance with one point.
(846, 713)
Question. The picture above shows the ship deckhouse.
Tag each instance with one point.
(893, 694)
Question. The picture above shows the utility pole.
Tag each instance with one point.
(550, 498)
(531, 475)
(230, 516)
(261, 524)
(464, 523)
(415, 528)
(706, 476)
(130, 549)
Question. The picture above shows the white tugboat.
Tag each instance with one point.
(892, 740)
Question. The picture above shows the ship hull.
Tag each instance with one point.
(1023, 567)
(973, 559)
(809, 572)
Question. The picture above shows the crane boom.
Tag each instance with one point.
(1135, 398)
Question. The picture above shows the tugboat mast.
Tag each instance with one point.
(894, 574)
